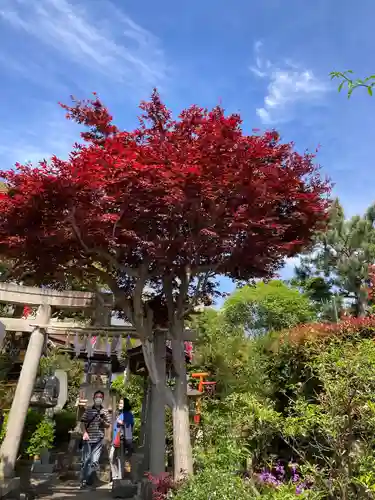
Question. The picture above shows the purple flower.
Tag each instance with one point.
(295, 478)
(300, 488)
(293, 467)
(280, 471)
(268, 478)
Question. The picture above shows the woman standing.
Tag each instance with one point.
(122, 441)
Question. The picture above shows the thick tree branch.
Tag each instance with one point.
(141, 323)
(183, 291)
(12, 273)
(99, 252)
(124, 302)
(149, 357)
(117, 222)
(203, 278)
(168, 292)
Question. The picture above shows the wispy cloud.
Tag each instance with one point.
(99, 39)
(49, 135)
(288, 85)
(64, 47)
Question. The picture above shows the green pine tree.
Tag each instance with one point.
(342, 255)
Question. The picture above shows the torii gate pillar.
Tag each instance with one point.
(17, 415)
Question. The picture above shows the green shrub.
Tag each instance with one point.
(133, 390)
(268, 306)
(334, 430)
(216, 484)
(42, 438)
(65, 421)
(33, 419)
(4, 427)
(236, 430)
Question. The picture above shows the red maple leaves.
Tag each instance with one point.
(193, 192)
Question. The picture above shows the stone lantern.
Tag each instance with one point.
(46, 392)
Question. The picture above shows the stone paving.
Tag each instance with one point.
(54, 490)
(71, 491)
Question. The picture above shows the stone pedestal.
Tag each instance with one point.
(123, 488)
(10, 488)
(39, 468)
(43, 466)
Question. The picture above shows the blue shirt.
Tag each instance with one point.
(128, 419)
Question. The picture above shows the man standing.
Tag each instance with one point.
(94, 422)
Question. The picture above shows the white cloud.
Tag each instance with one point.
(50, 134)
(288, 85)
(99, 39)
(62, 47)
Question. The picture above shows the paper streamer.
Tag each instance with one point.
(2, 335)
(77, 347)
(108, 346)
(94, 342)
(89, 346)
(119, 347)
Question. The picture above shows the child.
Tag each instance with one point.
(122, 442)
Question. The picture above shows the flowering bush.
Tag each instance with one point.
(277, 476)
(364, 327)
(163, 486)
(215, 484)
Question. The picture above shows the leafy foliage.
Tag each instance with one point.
(346, 79)
(348, 327)
(133, 390)
(224, 351)
(33, 419)
(217, 483)
(337, 427)
(162, 486)
(343, 253)
(267, 307)
(317, 412)
(198, 181)
(65, 421)
(42, 438)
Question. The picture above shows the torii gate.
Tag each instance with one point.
(39, 328)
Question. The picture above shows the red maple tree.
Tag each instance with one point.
(157, 212)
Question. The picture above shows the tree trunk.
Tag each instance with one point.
(183, 460)
(361, 303)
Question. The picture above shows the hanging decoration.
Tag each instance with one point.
(27, 311)
(89, 348)
(189, 350)
(108, 346)
(2, 335)
(127, 368)
(94, 342)
(119, 347)
(114, 342)
(77, 346)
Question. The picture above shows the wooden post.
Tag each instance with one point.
(145, 403)
(157, 410)
(25, 386)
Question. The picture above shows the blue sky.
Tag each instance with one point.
(267, 60)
